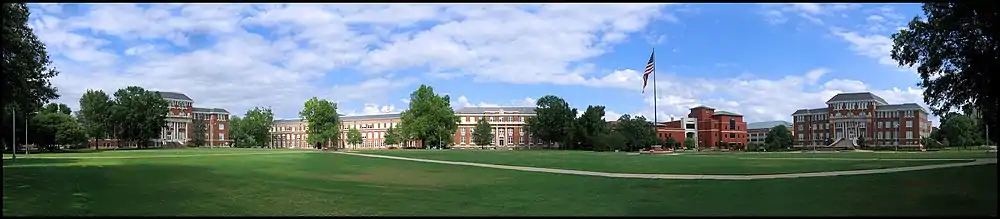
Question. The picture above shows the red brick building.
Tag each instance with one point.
(179, 123)
(712, 129)
(507, 123)
(850, 117)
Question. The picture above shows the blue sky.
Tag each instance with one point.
(761, 60)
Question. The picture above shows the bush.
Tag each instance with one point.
(610, 142)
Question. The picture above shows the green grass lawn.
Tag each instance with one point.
(715, 163)
(334, 184)
(152, 152)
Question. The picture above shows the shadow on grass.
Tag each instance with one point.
(107, 190)
(35, 161)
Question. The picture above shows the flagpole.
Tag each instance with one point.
(655, 132)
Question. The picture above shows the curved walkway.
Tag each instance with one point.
(688, 176)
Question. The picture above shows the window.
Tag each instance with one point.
(801, 136)
(491, 119)
(732, 135)
(909, 134)
(463, 140)
(909, 124)
(222, 137)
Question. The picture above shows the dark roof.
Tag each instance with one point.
(288, 120)
(174, 95)
(809, 111)
(768, 124)
(726, 113)
(480, 110)
(209, 110)
(856, 97)
(905, 106)
(376, 116)
(702, 106)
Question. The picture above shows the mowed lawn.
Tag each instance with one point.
(705, 163)
(321, 183)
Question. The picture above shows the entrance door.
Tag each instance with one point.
(501, 142)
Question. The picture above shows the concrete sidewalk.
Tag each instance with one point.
(686, 176)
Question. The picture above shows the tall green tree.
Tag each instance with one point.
(482, 134)
(690, 143)
(554, 121)
(354, 137)
(610, 141)
(957, 52)
(391, 136)
(95, 114)
(139, 115)
(323, 122)
(590, 126)
(959, 130)
(26, 70)
(55, 128)
(256, 125)
(638, 132)
(670, 142)
(57, 108)
(238, 133)
(198, 133)
(778, 138)
(430, 118)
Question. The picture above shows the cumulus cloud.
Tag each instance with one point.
(240, 56)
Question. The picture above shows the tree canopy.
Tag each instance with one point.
(256, 126)
(482, 135)
(957, 52)
(26, 70)
(323, 122)
(590, 126)
(391, 137)
(638, 132)
(56, 128)
(198, 133)
(139, 115)
(354, 137)
(95, 114)
(959, 130)
(553, 122)
(778, 138)
(430, 118)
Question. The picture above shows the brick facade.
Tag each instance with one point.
(861, 116)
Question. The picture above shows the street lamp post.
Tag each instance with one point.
(13, 133)
(896, 126)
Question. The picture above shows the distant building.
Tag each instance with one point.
(712, 129)
(181, 114)
(849, 117)
(216, 125)
(373, 129)
(289, 133)
(507, 124)
(757, 131)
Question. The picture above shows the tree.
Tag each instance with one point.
(690, 143)
(610, 141)
(638, 132)
(482, 135)
(430, 118)
(198, 132)
(256, 125)
(95, 114)
(26, 70)
(590, 126)
(956, 50)
(55, 128)
(553, 122)
(391, 137)
(959, 130)
(57, 108)
(237, 132)
(670, 142)
(139, 115)
(354, 137)
(323, 122)
(778, 138)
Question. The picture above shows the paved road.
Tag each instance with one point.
(687, 176)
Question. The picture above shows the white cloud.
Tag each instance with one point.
(813, 12)
(243, 55)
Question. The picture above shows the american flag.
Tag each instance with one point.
(649, 70)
